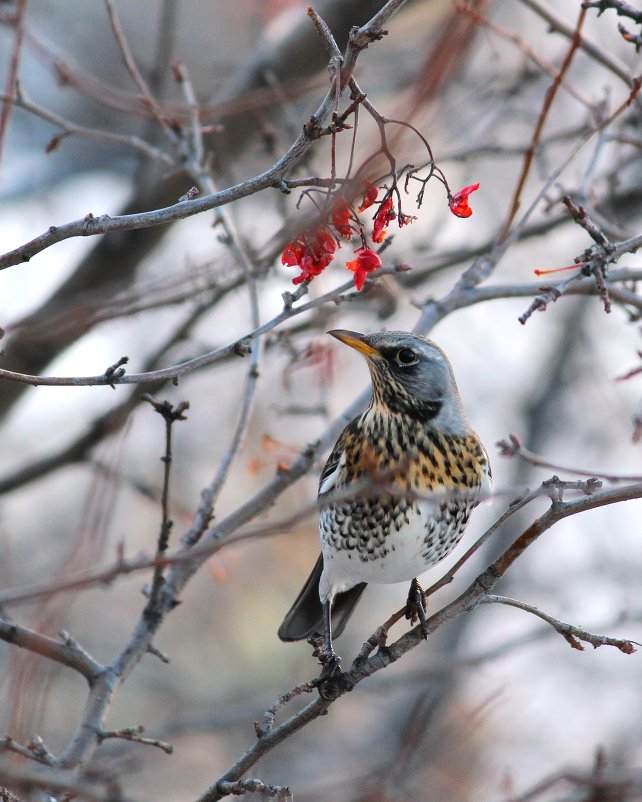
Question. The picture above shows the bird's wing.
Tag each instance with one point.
(336, 463)
(487, 480)
(332, 470)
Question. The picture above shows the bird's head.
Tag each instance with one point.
(410, 375)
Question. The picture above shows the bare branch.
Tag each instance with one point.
(267, 725)
(12, 73)
(613, 785)
(240, 347)
(132, 67)
(67, 651)
(621, 8)
(91, 226)
(170, 415)
(592, 49)
(53, 781)
(513, 448)
(541, 120)
(135, 734)
(572, 634)
(73, 129)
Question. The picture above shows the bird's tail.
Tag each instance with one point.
(305, 617)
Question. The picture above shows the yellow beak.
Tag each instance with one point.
(356, 341)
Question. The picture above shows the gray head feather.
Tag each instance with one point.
(411, 374)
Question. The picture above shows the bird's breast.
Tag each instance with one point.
(400, 503)
(408, 457)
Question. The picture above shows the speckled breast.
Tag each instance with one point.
(370, 541)
(414, 492)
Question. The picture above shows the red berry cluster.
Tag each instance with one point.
(312, 251)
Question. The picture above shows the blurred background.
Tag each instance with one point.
(495, 701)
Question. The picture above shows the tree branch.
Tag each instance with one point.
(272, 177)
(571, 634)
(367, 663)
(67, 651)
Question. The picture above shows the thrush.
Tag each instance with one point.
(397, 490)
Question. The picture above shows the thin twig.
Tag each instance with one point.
(480, 19)
(170, 416)
(12, 73)
(572, 634)
(54, 782)
(240, 347)
(621, 8)
(594, 50)
(135, 734)
(621, 785)
(541, 120)
(267, 725)
(137, 77)
(67, 651)
(513, 448)
(255, 786)
(74, 129)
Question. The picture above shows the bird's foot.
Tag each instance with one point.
(329, 661)
(329, 682)
(330, 664)
(416, 607)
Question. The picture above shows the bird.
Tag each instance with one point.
(397, 490)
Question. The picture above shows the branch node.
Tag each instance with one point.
(332, 687)
(157, 653)
(165, 409)
(87, 221)
(192, 192)
(360, 38)
(40, 751)
(243, 347)
(115, 372)
(283, 186)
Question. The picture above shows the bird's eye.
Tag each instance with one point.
(406, 356)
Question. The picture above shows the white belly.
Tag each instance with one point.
(423, 540)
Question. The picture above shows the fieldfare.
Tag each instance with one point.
(398, 488)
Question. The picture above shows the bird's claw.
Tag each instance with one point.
(330, 664)
(329, 661)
